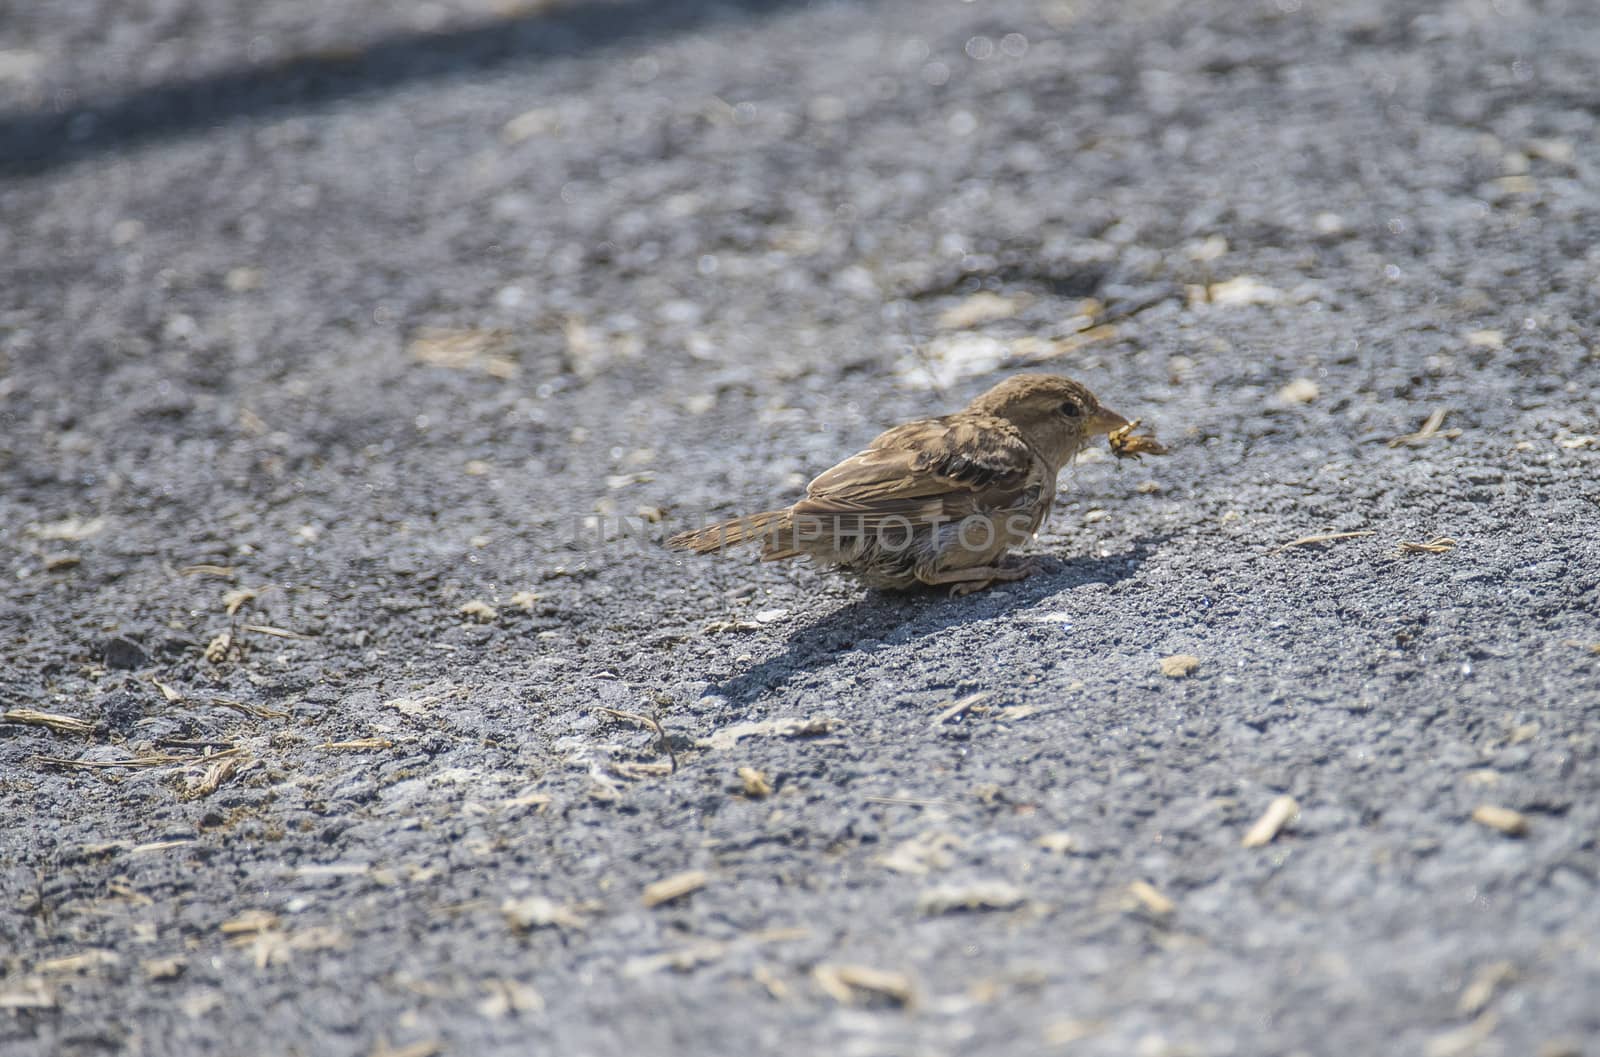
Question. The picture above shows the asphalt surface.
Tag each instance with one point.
(349, 316)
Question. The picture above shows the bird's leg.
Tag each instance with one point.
(978, 577)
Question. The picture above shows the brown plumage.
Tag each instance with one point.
(938, 500)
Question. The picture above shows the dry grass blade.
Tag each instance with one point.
(214, 777)
(675, 887)
(922, 854)
(908, 801)
(1430, 430)
(425, 1048)
(770, 980)
(814, 726)
(1481, 991)
(159, 759)
(279, 633)
(1150, 898)
(1066, 1032)
(846, 983)
(70, 530)
(233, 600)
(683, 960)
(466, 349)
(537, 801)
(88, 961)
(961, 707)
(1326, 537)
(1056, 348)
(1508, 821)
(249, 923)
(505, 998)
(537, 912)
(634, 771)
(358, 745)
(1459, 1042)
(633, 717)
(49, 720)
(1271, 823)
(258, 711)
(981, 895)
(28, 993)
(653, 724)
(225, 572)
(1437, 545)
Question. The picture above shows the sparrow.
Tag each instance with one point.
(937, 501)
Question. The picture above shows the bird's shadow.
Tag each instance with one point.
(892, 619)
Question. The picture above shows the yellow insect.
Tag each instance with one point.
(1125, 444)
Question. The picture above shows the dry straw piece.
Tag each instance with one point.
(1272, 822)
(1150, 898)
(960, 708)
(980, 895)
(157, 969)
(1326, 537)
(214, 777)
(537, 912)
(754, 782)
(225, 572)
(1430, 429)
(1462, 1041)
(156, 759)
(787, 727)
(1481, 991)
(846, 984)
(277, 633)
(675, 887)
(49, 720)
(89, 961)
(249, 923)
(28, 993)
(1437, 545)
(424, 1048)
(480, 611)
(256, 711)
(1511, 823)
(1179, 665)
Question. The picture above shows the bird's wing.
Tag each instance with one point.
(935, 469)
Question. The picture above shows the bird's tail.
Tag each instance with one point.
(725, 534)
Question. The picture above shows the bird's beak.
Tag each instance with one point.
(1105, 421)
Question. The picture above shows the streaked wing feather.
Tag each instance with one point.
(934, 469)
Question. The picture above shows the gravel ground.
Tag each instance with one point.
(355, 357)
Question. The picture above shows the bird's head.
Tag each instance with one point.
(1055, 415)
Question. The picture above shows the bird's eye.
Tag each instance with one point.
(1071, 409)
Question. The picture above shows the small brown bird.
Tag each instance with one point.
(938, 500)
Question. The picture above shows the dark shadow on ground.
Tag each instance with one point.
(892, 619)
(33, 142)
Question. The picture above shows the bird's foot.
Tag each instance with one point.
(976, 579)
